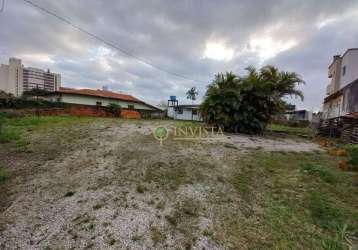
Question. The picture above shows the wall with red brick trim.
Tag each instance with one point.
(84, 110)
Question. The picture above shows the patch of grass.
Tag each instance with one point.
(184, 219)
(140, 188)
(172, 220)
(136, 237)
(297, 131)
(338, 242)
(352, 155)
(244, 183)
(160, 205)
(98, 206)
(324, 212)
(156, 235)
(13, 129)
(4, 175)
(69, 194)
(166, 175)
(111, 241)
(91, 227)
(304, 197)
(325, 173)
(7, 135)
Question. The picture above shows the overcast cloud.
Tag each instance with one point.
(193, 38)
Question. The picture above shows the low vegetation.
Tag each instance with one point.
(116, 187)
(289, 130)
(352, 151)
(4, 174)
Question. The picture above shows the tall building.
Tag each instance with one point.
(15, 78)
(342, 91)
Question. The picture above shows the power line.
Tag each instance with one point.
(110, 44)
(2, 6)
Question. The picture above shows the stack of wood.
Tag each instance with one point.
(344, 127)
(331, 127)
(350, 131)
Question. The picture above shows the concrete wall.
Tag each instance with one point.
(92, 100)
(82, 110)
(333, 108)
(350, 61)
(187, 115)
(170, 112)
(334, 72)
(350, 99)
(4, 78)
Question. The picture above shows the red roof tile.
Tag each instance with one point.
(99, 93)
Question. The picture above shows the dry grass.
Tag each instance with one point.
(108, 184)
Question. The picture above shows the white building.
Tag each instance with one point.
(184, 112)
(99, 98)
(342, 91)
(15, 78)
(299, 115)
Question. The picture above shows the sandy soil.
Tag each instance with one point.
(116, 188)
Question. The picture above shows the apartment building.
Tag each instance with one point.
(15, 78)
(342, 91)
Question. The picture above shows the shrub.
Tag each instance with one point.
(352, 150)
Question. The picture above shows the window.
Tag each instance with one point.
(130, 106)
(99, 103)
(179, 111)
(194, 112)
(344, 70)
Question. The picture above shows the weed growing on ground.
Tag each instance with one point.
(140, 188)
(69, 194)
(324, 212)
(4, 174)
(326, 174)
(156, 235)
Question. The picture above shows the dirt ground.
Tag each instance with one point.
(110, 185)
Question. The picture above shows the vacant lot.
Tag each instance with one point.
(85, 183)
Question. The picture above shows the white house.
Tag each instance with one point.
(184, 112)
(299, 115)
(342, 91)
(92, 97)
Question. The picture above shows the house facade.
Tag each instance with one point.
(184, 112)
(15, 78)
(99, 98)
(299, 115)
(342, 91)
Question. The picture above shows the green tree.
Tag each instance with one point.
(191, 95)
(246, 104)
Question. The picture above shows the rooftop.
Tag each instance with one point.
(99, 93)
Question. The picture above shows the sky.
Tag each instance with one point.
(195, 39)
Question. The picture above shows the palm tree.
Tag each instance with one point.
(191, 94)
